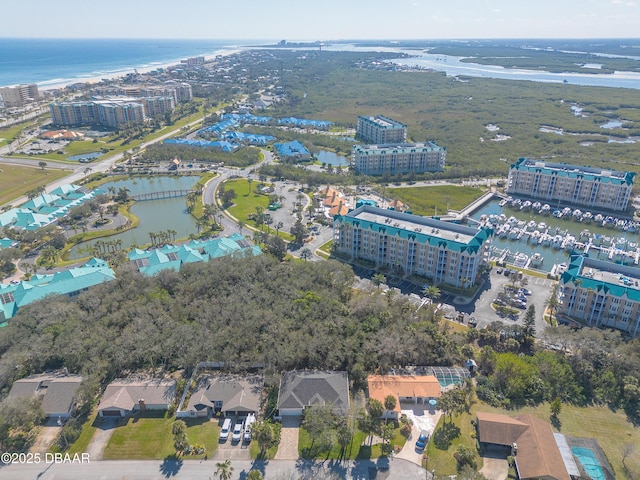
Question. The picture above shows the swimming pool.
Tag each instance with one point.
(589, 461)
(87, 156)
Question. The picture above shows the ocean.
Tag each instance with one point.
(50, 62)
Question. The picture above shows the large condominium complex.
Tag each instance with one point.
(180, 92)
(563, 183)
(17, 96)
(601, 294)
(381, 129)
(413, 245)
(398, 158)
(109, 113)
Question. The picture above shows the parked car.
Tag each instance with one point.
(226, 428)
(422, 440)
(247, 427)
(499, 270)
(237, 430)
(525, 291)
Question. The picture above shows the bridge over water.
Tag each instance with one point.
(160, 195)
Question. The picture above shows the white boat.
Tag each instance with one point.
(525, 205)
(569, 242)
(536, 206)
(503, 202)
(585, 234)
(546, 209)
(577, 214)
(542, 226)
(536, 260)
(566, 211)
(598, 218)
(514, 232)
(557, 241)
(532, 225)
(520, 260)
(535, 236)
(587, 217)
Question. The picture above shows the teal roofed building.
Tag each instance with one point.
(7, 243)
(170, 257)
(407, 244)
(70, 282)
(601, 294)
(570, 184)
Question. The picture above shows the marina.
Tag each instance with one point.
(532, 235)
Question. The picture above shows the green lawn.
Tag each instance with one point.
(149, 437)
(436, 199)
(9, 133)
(354, 450)
(17, 180)
(88, 429)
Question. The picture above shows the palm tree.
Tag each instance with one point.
(279, 225)
(224, 470)
(378, 279)
(306, 254)
(432, 293)
(42, 165)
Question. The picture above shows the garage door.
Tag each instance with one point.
(111, 413)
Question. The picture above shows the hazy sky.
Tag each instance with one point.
(321, 19)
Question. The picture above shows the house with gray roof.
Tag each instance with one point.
(229, 394)
(57, 391)
(302, 389)
(125, 396)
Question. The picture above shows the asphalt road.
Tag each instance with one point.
(396, 469)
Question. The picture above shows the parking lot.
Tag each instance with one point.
(231, 449)
(479, 308)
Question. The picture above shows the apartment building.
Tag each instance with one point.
(180, 92)
(601, 294)
(381, 130)
(412, 245)
(570, 184)
(398, 158)
(16, 96)
(112, 113)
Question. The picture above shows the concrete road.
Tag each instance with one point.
(396, 469)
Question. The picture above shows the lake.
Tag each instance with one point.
(154, 215)
(331, 158)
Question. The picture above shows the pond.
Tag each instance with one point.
(85, 156)
(154, 215)
(331, 158)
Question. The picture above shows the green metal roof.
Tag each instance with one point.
(600, 286)
(574, 171)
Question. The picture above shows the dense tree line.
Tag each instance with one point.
(241, 310)
(166, 152)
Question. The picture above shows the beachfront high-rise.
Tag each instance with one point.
(574, 185)
(381, 129)
(601, 294)
(412, 245)
(110, 113)
(17, 96)
(398, 158)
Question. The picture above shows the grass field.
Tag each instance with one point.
(8, 134)
(17, 180)
(437, 199)
(611, 429)
(149, 437)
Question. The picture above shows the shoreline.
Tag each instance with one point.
(45, 86)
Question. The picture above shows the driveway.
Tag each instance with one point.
(288, 448)
(47, 435)
(423, 419)
(495, 466)
(101, 437)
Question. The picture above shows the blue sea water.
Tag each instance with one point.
(60, 61)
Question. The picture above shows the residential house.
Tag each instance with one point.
(230, 394)
(125, 396)
(531, 442)
(413, 389)
(302, 389)
(57, 391)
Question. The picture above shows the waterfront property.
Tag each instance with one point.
(563, 183)
(70, 282)
(412, 245)
(601, 294)
(171, 257)
(301, 389)
(229, 394)
(179, 91)
(16, 96)
(292, 151)
(124, 396)
(112, 113)
(46, 208)
(56, 390)
(413, 389)
(380, 129)
(398, 158)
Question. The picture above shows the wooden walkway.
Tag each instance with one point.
(160, 195)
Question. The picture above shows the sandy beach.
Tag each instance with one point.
(44, 86)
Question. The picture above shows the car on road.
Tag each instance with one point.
(226, 428)
(237, 430)
(422, 440)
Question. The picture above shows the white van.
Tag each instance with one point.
(247, 427)
(226, 428)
